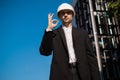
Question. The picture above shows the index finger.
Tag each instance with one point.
(50, 16)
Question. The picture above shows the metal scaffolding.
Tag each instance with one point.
(104, 32)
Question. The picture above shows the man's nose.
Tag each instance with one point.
(65, 14)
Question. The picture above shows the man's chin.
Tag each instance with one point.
(66, 21)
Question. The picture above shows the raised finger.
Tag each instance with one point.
(52, 15)
(49, 16)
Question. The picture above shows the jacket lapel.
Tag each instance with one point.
(75, 39)
(62, 36)
(74, 36)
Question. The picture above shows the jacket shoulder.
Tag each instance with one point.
(81, 31)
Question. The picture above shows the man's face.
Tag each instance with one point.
(66, 16)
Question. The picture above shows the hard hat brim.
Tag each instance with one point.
(58, 13)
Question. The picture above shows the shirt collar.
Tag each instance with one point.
(64, 27)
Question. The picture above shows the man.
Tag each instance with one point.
(73, 58)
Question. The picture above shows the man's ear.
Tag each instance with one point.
(59, 17)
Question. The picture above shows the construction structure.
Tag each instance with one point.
(104, 32)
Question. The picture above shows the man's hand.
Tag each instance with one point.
(51, 22)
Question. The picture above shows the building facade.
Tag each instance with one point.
(108, 34)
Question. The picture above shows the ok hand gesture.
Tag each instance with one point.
(51, 22)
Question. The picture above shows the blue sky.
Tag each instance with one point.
(22, 24)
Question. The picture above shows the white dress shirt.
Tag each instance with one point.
(69, 40)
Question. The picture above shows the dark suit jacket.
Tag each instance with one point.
(54, 42)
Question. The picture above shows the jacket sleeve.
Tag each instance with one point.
(92, 60)
(46, 44)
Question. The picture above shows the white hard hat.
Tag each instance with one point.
(65, 6)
